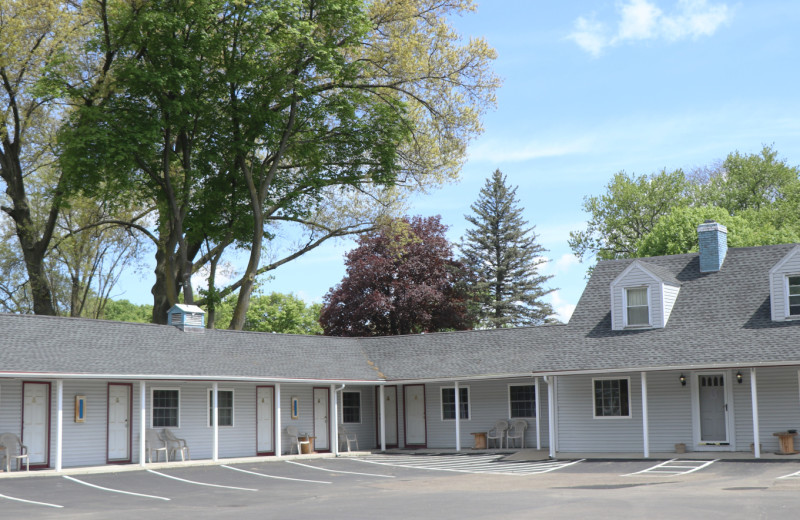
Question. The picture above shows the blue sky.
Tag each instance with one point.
(594, 87)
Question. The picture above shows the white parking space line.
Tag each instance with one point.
(276, 476)
(477, 464)
(199, 483)
(339, 471)
(114, 490)
(674, 467)
(30, 501)
(796, 474)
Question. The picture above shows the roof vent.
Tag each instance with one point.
(713, 238)
(188, 318)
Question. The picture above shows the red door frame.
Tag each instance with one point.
(274, 441)
(46, 464)
(378, 417)
(405, 419)
(314, 416)
(130, 422)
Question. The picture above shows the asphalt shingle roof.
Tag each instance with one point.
(719, 319)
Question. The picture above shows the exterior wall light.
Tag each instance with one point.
(739, 377)
(682, 379)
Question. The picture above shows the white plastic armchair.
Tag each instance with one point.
(176, 445)
(346, 437)
(296, 438)
(517, 431)
(497, 434)
(154, 443)
(14, 449)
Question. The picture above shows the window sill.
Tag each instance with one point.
(637, 327)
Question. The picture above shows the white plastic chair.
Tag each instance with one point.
(517, 431)
(14, 449)
(346, 437)
(295, 438)
(176, 445)
(497, 434)
(154, 443)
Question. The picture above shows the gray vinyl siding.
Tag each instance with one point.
(670, 296)
(579, 431)
(778, 406)
(778, 285)
(636, 277)
(488, 404)
(10, 406)
(669, 407)
(365, 430)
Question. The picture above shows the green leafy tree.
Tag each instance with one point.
(235, 119)
(676, 232)
(756, 196)
(502, 254)
(275, 312)
(626, 212)
(124, 310)
(37, 38)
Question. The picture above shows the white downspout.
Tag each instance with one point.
(383, 417)
(458, 418)
(538, 414)
(278, 440)
(551, 413)
(59, 423)
(215, 422)
(335, 428)
(142, 420)
(645, 419)
(754, 397)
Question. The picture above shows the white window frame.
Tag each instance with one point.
(630, 399)
(786, 312)
(210, 395)
(625, 307)
(360, 406)
(458, 412)
(535, 398)
(152, 391)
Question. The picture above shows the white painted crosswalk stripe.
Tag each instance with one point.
(674, 467)
(488, 464)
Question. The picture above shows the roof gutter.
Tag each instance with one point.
(708, 366)
(180, 377)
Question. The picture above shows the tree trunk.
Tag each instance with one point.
(34, 248)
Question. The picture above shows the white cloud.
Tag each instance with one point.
(565, 262)
(644, 20)
(496, 151)
(563, 308)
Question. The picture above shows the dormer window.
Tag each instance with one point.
(793, 290)
(637, 308)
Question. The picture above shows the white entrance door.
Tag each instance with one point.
(713, 416)
(321, 407)
(265, 428)
(36, 421)
(390, 414)
(414, 399)
(119, 406)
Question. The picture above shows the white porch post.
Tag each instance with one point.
(334, 418)
(458, 418)
(142, 420)
(645, 426)
(754, 397)
(383, 417)
(215, 422)
(278, 443)
(538, 413)
(59, 423)
(551, 414)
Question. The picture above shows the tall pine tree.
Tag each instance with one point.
(502, 254)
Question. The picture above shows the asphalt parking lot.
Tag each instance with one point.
(414, 486)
